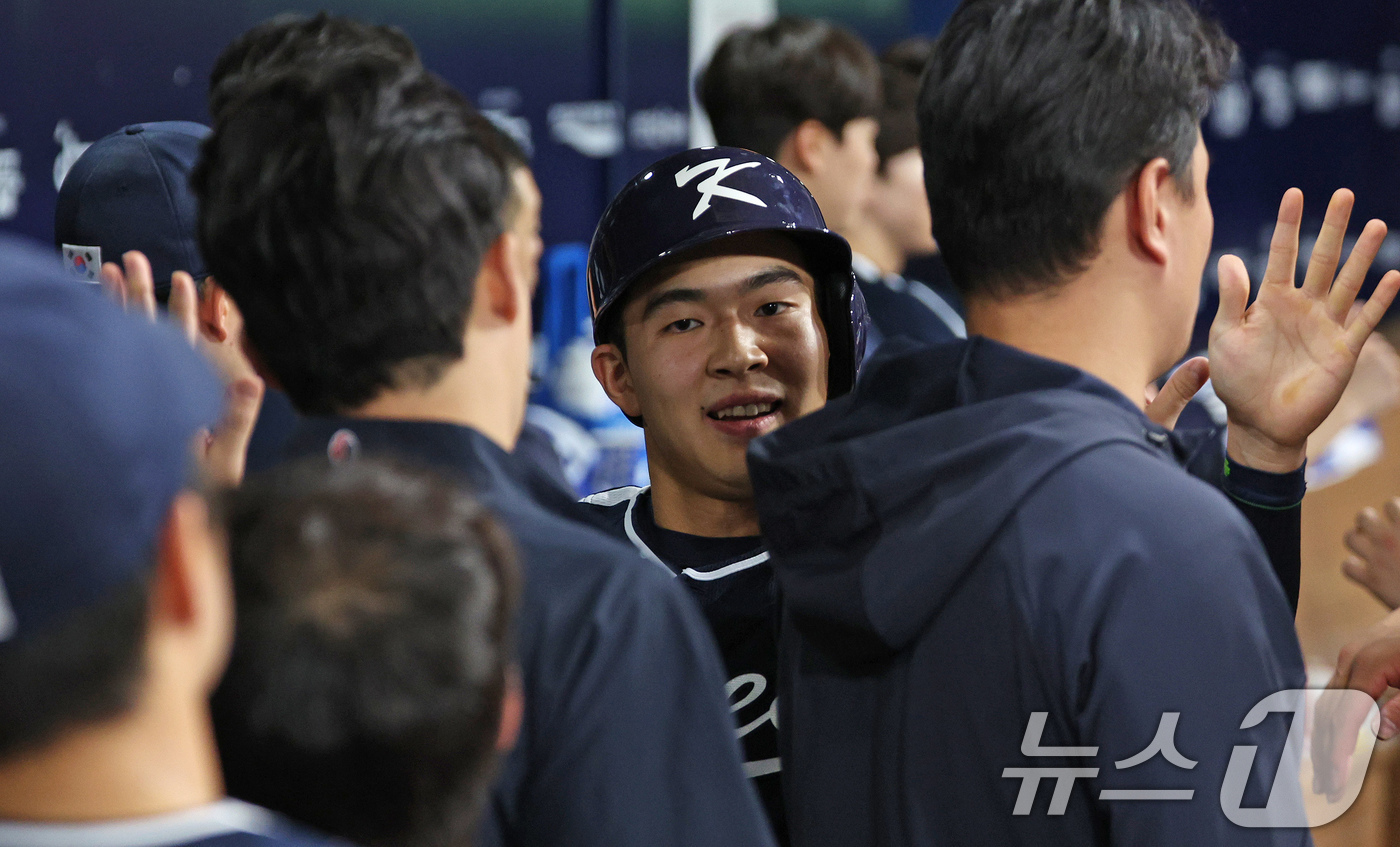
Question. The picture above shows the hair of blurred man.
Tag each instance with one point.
(370, 680)
(86, 669)
(348, 208)
(1035, 115)
(804, 93)
(763, 82)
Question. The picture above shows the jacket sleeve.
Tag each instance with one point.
(639, 748)
(1271, 502)
(1173, 623)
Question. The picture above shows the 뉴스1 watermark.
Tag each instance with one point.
(1342, 726)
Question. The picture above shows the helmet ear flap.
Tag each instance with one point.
(846, 322)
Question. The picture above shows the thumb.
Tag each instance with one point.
(1234, 293)
(1167, 406)
(227, 454)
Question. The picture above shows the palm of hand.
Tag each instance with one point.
(1282, 369)
(1281, 365)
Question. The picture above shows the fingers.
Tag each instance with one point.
(1349, 281)
(140, 283)
(1390, 719)
(1283, 249)
(1369, 521)
(1364, 322)
(1327, 252)
(1188, 379)
(113, 282)
(1234, 293)
(1392, 510)
(227, 452)
(1359, 544)
(184, 305)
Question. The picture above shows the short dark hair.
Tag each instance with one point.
(293, 40)
(374, 613)
(83, 669)
(762, 83)
(901, 70)
(346, 206)
(1035, 114)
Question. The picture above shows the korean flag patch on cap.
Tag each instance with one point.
(83, 262)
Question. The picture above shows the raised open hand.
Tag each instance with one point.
(1281, 364)
(222, 451)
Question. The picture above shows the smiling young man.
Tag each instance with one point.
(723, 309)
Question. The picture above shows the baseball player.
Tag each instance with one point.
(723, 308)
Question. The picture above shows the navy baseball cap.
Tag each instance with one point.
(99, 411)
(131, 191)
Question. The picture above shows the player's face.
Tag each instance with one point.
(726, 348)
(843, 176)
(899, 205)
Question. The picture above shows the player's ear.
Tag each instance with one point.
(1150, 210)
(191, 610)
(808, 147)
(498, 295)
(512, 711)
(610, 369)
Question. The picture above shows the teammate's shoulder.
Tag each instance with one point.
(226, 823)
(1119, 490)
(614, 498)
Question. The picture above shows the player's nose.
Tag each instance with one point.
(736, 350)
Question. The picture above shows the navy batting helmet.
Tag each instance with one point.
(702, 195)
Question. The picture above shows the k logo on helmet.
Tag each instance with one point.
(710, 188)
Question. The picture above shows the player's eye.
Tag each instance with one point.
(768, 310)
(682, 325)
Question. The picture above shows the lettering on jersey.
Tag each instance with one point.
(711, 187)
(749, 688)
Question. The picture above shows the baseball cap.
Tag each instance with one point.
(131, 191)
(95, 438)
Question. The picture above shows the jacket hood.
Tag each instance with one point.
(875, 507)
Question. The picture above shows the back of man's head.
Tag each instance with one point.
(763, 83)
(289, 41)
(365, 692)
(99, 412)
(347, 206)
(1034, 116)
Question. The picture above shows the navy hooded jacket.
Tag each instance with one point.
(977, 535)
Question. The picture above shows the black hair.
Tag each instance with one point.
(346, 205)
(1034, 116)
(374, 614)
(291, 40)
(901, 70)
(762, 83)
(83, 669)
